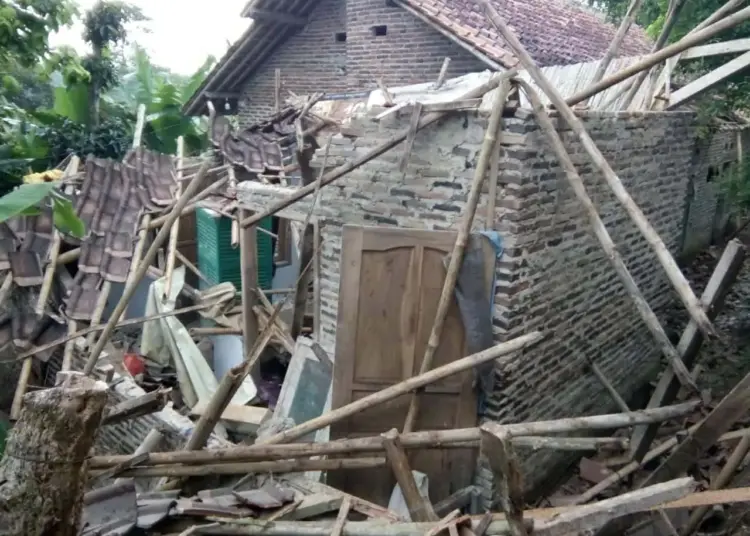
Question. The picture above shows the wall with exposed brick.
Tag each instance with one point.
(708, 212)
(553, 275)
(314, 60)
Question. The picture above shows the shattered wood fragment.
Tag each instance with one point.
(498, 450)
(604, 238)
(502, 352)
(138, 407)
(456, 258)
(43, 474)
(483, 525)
(419, 507)
(362, 506)
(444, 523)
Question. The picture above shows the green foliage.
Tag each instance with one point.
(735, 183)
(27, 198)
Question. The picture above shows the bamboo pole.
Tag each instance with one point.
(101, 304)
(404, 387)
(192, 267)
(148, 258)
(489, 220)
(69, 256)
(673, 272)
(23, 381)
(340, 171)
(6, 286)
(434, 439)
(278, 466)
(663, 77)
(722, 480)
(443, 73)
(175, 230)
(614, 46)
(673, 11)
(657, 57)
(459, 247)
(193, 203)
(70, 345)
(605, 240)
(608, 386)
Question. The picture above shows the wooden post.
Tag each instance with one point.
(249, 278)
(457, 255)
(389, 393)
(139, 124)
(43, 472)
(443, 73)
(420, 508)
(608, 245)
(617, 40)
(387, 145)
(148, 258)
(306, 253)
(175, 230)
(722, 279)
(597, 158)
(498, 450)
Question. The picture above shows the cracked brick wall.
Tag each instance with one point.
(338, 51)
(553, 275)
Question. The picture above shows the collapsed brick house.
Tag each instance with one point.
(552, 274)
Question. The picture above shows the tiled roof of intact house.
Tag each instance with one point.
(555, 32)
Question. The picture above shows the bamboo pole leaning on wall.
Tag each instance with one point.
(614, 46)
(605, 240)
(673, 272)
(459, 247)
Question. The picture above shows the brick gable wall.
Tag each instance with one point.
(313, 60)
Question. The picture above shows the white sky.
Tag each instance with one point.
(180, 34)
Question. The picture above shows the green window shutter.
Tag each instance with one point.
(219, 261)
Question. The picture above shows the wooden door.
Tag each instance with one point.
(391, 280)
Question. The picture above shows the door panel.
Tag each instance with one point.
(391, 280)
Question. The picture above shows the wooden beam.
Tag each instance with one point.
(715, 49)
(497, 448)
(276, 17)
(420, 508)
(708, 81)
(249, 278)
(666, 390)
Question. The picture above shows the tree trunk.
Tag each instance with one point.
(43, 473)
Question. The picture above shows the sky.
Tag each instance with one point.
(180, 34)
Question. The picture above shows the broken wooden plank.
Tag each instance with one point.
(235, 413)
(338, 527)
(360, 505)
(137, 407)
(313, 506)
(585, 518)
(722, 279)
(697, 87)
(508, 480)
(419, 507)
(387, 98)
(715, 49)
(443, 73)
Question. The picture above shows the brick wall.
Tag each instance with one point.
(314, 60)
(553, 275)
(708, 214)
